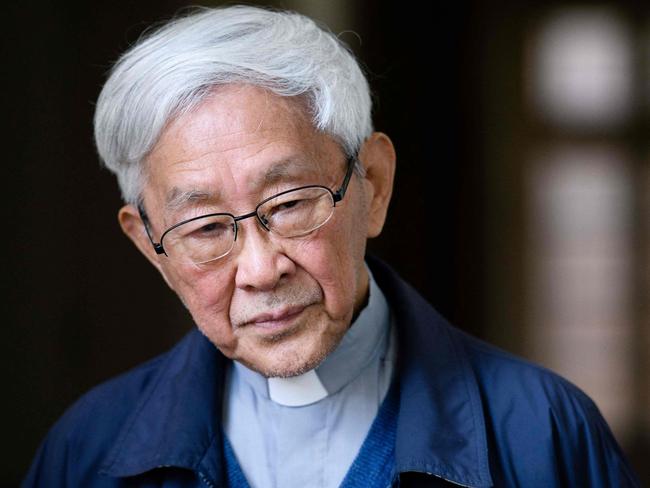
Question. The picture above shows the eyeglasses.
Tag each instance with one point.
(291, 213)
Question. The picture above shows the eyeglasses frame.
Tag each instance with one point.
(337, 196)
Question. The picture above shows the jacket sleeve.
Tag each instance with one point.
(48, 467)
(543, 431)
(587, 453)
(70, 455)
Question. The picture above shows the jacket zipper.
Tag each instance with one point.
(205, 480)
(437, 476)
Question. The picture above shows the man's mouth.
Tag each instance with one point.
(274, 319)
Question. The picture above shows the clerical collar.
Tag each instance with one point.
(363, 342)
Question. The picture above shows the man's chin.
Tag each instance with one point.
(286, 359)
(285, 365)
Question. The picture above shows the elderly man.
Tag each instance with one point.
(243, 145)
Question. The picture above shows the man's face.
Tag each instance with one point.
(278, 305)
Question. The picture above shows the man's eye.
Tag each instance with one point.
(213, 229)
(209, 227)
(290, 208)
(287, 205)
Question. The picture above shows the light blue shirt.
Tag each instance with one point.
(307, 431)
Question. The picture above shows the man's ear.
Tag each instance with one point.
(133, 226)
(377, 156)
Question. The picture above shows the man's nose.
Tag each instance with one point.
(261, 261)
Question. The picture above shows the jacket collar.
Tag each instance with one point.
(440, 427)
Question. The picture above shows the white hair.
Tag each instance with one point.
(172, 69)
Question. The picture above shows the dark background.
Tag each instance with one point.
(83, 305)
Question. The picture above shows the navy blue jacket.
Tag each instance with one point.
(469, 415)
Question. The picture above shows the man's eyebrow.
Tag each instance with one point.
(177, 198)
(284, 170)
